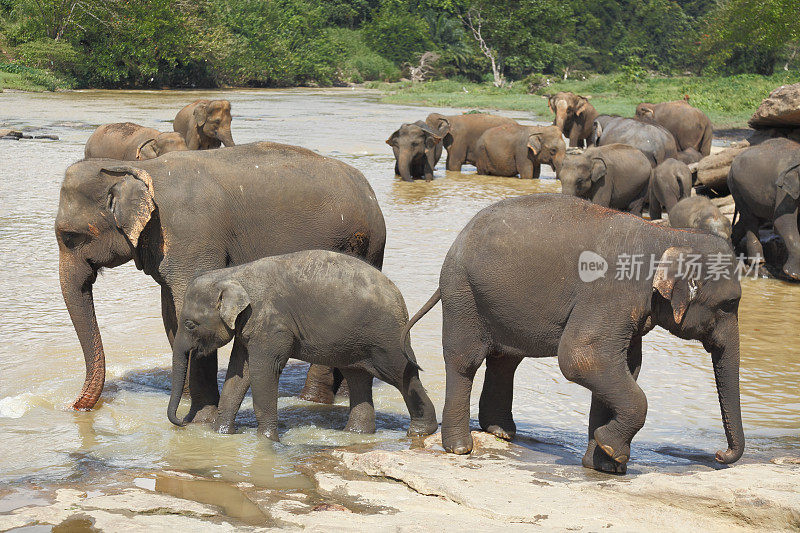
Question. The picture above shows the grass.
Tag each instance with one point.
(21, 78)
(728, 101)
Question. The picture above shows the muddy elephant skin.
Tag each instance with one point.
(574, 116)
(511, 150)
(690, 126)
(460, 134)
(205, 124)
(417, 148)
(127, 141)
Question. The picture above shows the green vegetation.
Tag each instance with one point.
(279, 43)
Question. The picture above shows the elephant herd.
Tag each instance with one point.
(279, 250)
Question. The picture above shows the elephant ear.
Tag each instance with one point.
(789, 181)
(131, 201)
(599, 169)
(233, 299)
(678, 289)
(200, 114)
(597, 132)
(392, 140)
(146, 150)
(535, 143)
(583, 104)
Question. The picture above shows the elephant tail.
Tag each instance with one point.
(414, 319)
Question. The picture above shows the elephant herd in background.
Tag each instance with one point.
(242, 251)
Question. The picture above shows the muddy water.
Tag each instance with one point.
(44, 444)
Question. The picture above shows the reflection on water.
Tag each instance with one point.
(233, 502)
(42, 367)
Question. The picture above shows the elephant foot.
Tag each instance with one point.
(206, 415)
(317, 393)
(271, 434)
(360, 426)
(224, 428)
(422, 428)
(612, 446)
(792, 270)
(500, 432)
(596, 459)
(458, 445)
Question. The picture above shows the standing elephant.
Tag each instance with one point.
(690, 126)
(506, 297)
(417, 148)
(205, 124)
(699, 213)
(512, 149)
(189, 212)
(127, 141)
(460, 134)
(574, 116)
(615, 175)
(653, 140)
(765, 183)
(670, 182)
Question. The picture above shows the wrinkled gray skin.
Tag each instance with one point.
(698, 212)
(574, 116)
(689, 156)
(670, 182)
(614, 176)
(765, 183)
(205, 124)
(318, 306)
(511, 150)
(460, 134)
(506, 297)
(417, 148)
(690, 127)
(127, 141)
(653, 140)
(185, 213)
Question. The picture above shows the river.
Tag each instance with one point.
(44, 444)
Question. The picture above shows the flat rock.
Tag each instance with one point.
(781, 108)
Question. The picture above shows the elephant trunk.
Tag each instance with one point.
(726, 372)
(180, 363)
(226, 137)
(404, 166)
(76, 277)
(561, 116)
(558, 162)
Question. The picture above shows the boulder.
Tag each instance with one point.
(781, 109)
(712, 171)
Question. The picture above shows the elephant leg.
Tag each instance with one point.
(494, 412)
(404, 376)
(600, 415)
(456, 157)
(237, 381)
(266, 360)
(786, 226)
(320, 385)
(362, 411)
(755, 251)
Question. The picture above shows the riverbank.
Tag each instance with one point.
(728, 101)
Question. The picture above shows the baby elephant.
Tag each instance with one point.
(698, 212)
(670, 182)
(127, 141)
(417, 148)
(317, 306)
(615, 175)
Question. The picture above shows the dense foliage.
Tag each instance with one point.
(185, 43)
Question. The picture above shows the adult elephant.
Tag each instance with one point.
(615, 175)
(574, 116)
(690, 126)
(765, 183)
(205, 124)
(505, 297)
(189, 212)
(460, 134)
(652, 139)
(512, 149)
(417, 148)
(127, 141)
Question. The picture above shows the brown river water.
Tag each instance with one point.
(44, 444)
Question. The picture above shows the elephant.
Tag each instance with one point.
(460, 134)
(652, 139)
(205, 124)
(283, 307)
(670, 182)
(505, 297)
(185, 213)
(690, 127)
(127, 141)
(765, 183)
(512, 149)
(698, 212)
(417, 148)
(574, 116)
(689, 156)
(614, 175)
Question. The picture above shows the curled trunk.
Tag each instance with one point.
(726, 372)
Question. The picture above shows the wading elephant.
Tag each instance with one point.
(670, 182)
(652, 139)
(698, 212)
(127, 141)
(460, 134)
(505, 297)
(615, 175)
(690, 127)
(512, 149)
(765, 183)
(574, 116)
(189, 212)
(417, 148)
(281, 307)
(205, 124)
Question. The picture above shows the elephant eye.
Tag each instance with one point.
(73, 239)
(190, 325)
